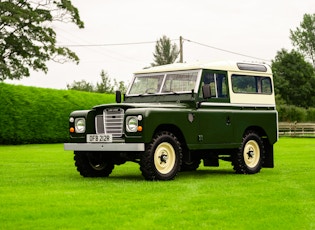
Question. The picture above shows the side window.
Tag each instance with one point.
(251, 84)
(217, 83)
(266, 85)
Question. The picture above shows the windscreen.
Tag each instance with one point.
(146, 84)
(177, 82)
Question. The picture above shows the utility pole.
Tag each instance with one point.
(181, 49)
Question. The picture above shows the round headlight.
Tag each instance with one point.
(79, 125)
(132, 124)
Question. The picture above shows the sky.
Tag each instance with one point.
(252, 28)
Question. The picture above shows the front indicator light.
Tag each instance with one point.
(71, 130)
(139, 128)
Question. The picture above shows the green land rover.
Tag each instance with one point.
(173, 117)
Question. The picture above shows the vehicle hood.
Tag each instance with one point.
(141, 105)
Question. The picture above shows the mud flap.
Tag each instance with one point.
(268, 162)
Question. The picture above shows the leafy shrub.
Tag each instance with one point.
(38, 115)
(311, 114)
(290, 113)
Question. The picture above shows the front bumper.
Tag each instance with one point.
(105, 147)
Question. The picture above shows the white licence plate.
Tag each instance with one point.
(99, 138)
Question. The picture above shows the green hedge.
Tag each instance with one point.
(290, 113)
(38, 115)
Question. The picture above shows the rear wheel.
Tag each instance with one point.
(93, 164)
(249, 158)
(162, 158)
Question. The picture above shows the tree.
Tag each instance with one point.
(105, 86)
(294, 78)
(165, 52)
(120, 86)
(304, 37)
(82, 85)
(27, 37)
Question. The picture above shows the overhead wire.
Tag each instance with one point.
(224, 50)
(150, 42)
(108, 53)
(111, 44)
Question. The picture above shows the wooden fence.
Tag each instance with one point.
(297, 129)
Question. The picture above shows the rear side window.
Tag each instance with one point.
(251, 84)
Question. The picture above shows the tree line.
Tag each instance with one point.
(28, 41)
(104, 86)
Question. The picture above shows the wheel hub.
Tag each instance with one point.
(250, 153)
(163, 157)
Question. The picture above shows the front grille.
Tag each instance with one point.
(110, 122)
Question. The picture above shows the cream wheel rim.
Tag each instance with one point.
(164, 158)
(251, 153)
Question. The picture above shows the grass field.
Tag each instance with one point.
(40, 189)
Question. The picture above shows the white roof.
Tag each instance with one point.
(222, 65)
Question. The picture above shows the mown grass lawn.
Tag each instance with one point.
(40, 189)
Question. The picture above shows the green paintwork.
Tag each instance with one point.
(210, 127)
(201, 123)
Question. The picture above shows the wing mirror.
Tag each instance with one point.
(118, 96)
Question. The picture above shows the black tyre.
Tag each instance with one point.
(250, 156)
(162, 158)
(93, 164)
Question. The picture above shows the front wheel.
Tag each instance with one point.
(249, 158)
(93, 164)
(162, 158)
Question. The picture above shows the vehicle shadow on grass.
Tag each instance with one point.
(198, 174)
(137, 176)
(207, 172)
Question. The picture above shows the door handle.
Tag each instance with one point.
(228, 120)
